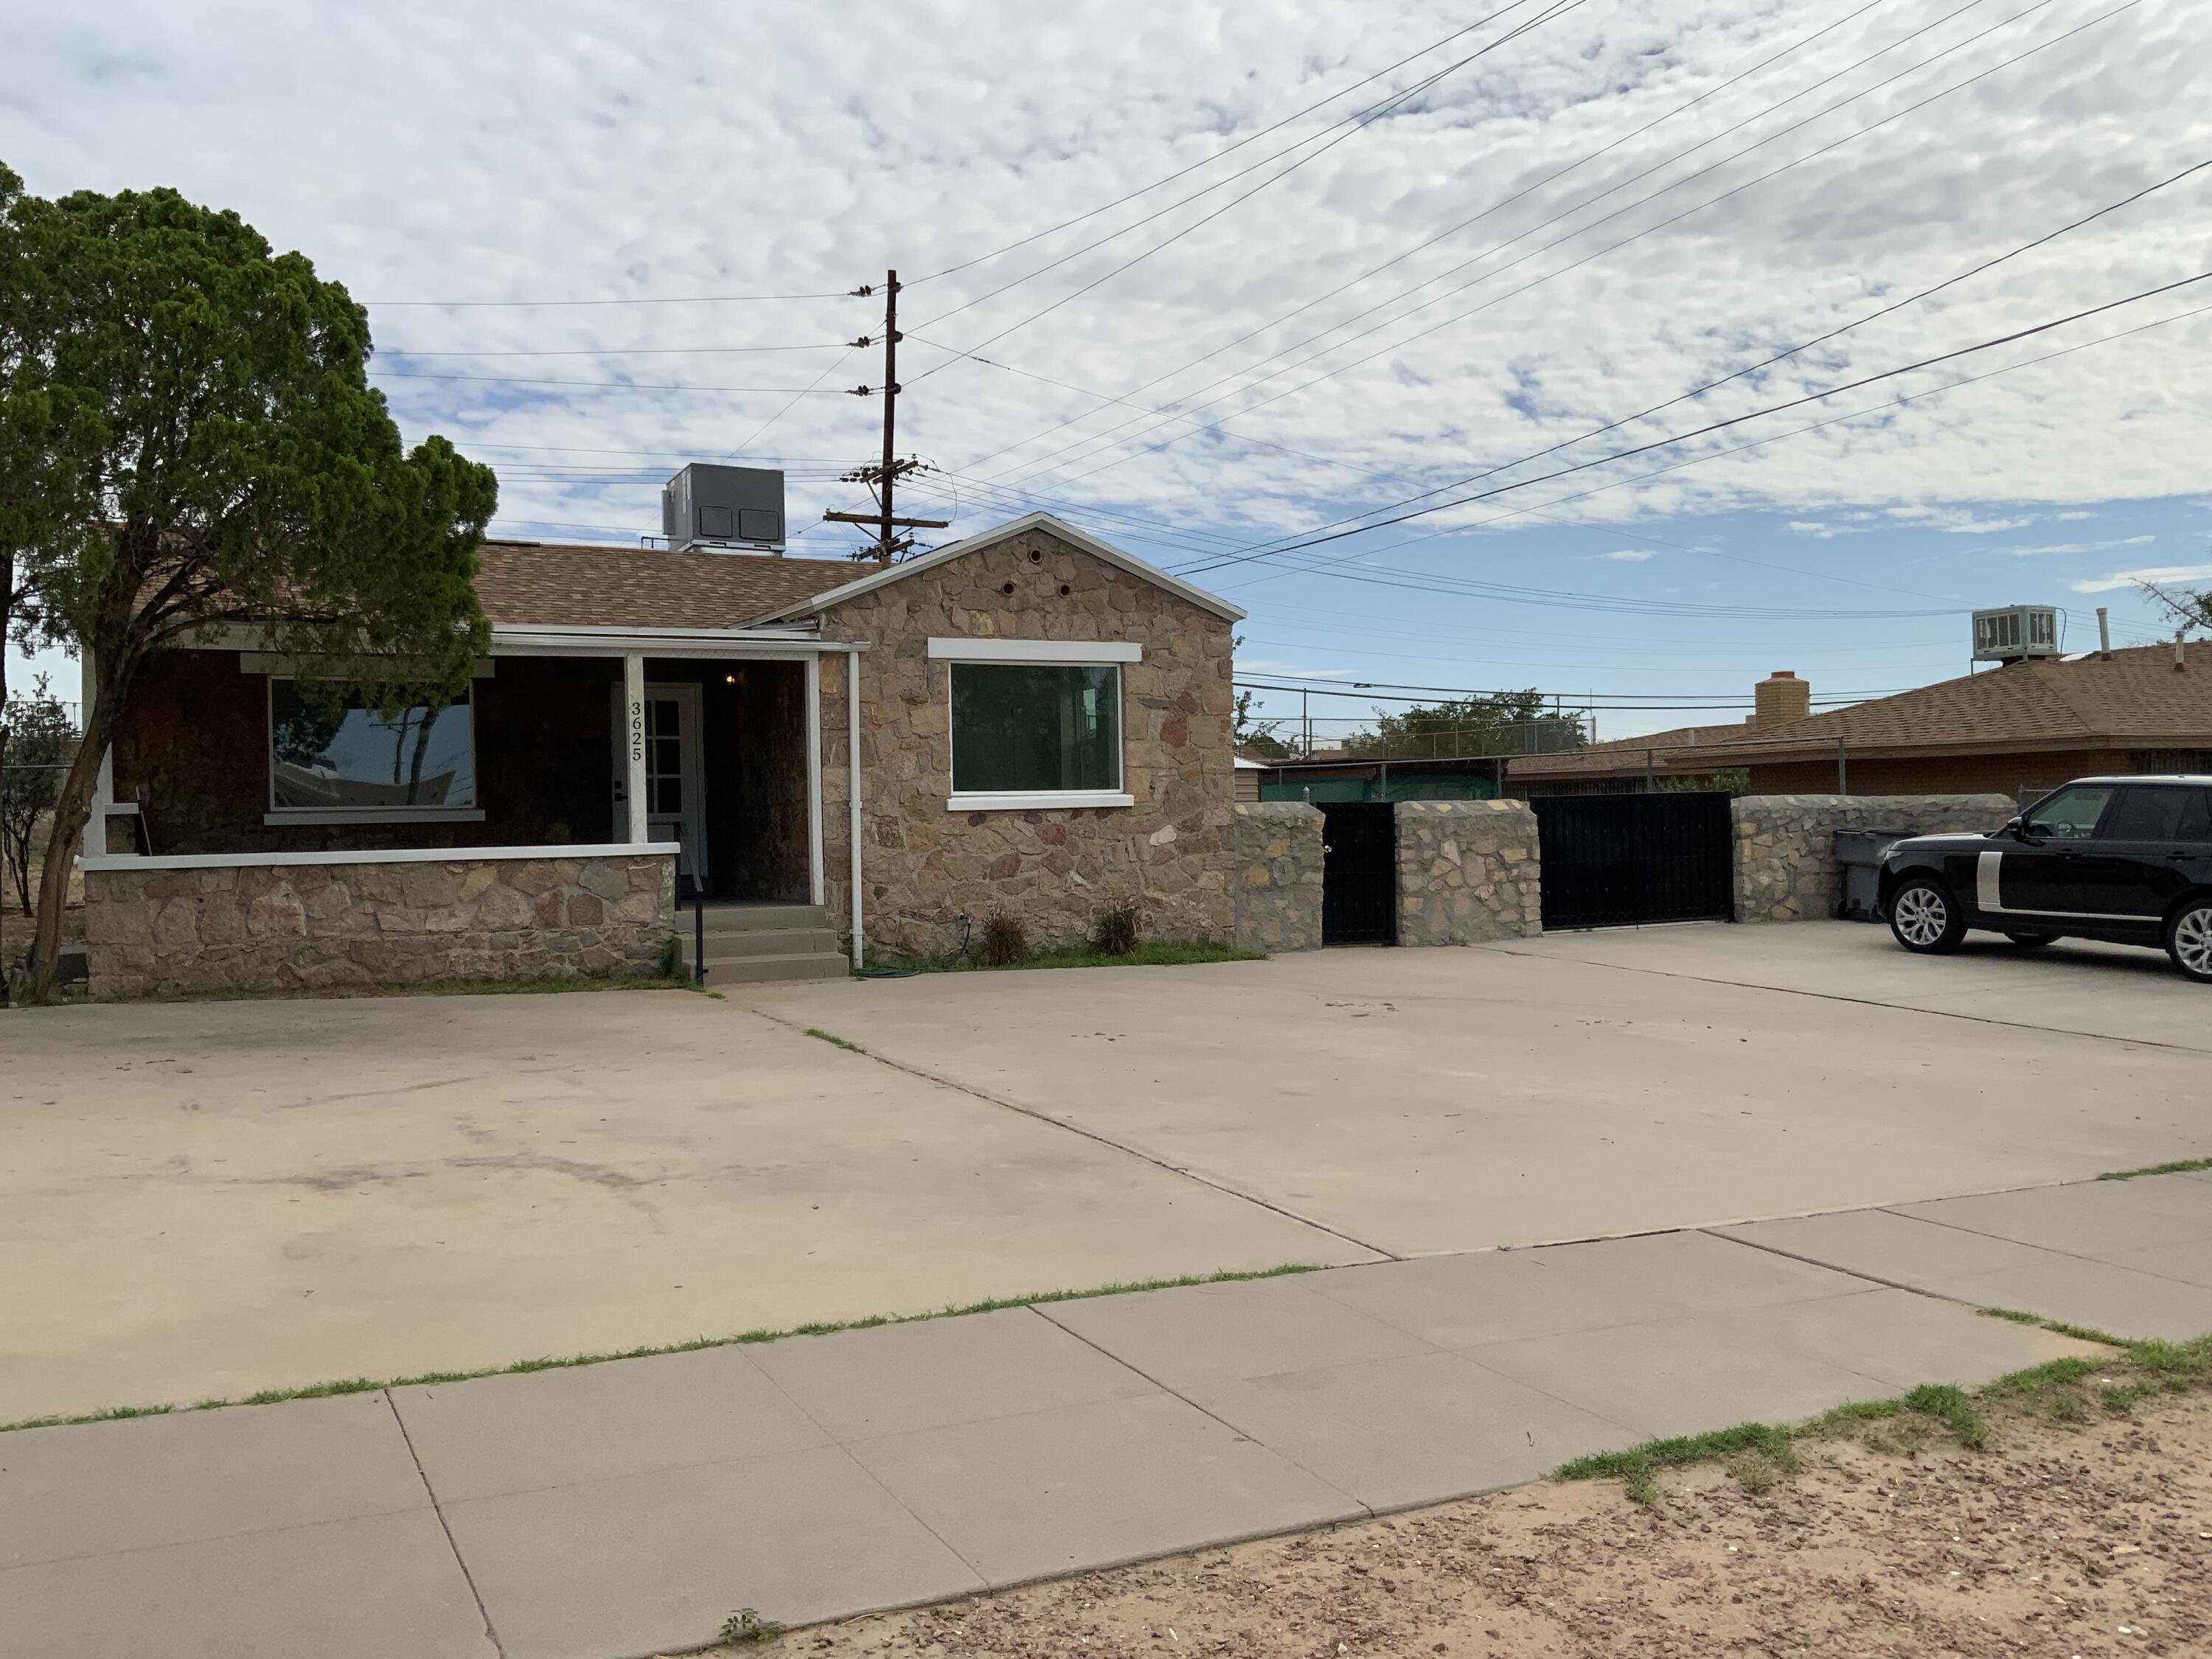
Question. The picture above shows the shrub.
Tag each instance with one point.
(1116, 933)
(1003, 941)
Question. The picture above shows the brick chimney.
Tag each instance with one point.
(1780, 698)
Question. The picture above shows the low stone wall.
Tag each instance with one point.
(1785, 856)
(1274, 883)
(166, 930)
(1469, 872)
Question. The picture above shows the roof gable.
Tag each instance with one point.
(883, 576)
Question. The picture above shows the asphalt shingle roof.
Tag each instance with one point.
(556, 584)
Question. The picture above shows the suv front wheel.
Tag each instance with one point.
(1926, 919)
(2189, 939)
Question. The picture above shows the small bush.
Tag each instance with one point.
(1005, 943)
(1116, 932)
(745, 1625)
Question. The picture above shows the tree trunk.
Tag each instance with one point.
(71, 810)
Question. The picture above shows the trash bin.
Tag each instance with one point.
(1859, 852)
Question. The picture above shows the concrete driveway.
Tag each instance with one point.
(206, 1199)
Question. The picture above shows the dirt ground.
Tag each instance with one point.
(2084, 1538)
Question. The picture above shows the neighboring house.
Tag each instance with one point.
(2017, 730)
(1042, 724)
(1338, 775)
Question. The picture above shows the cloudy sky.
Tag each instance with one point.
(1211, 279)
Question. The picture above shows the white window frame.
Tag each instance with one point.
(1041, 654)
(313, 815)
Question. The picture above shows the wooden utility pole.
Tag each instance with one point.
(884, 479)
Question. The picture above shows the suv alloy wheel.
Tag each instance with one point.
(1926, 919)
(2189, 939)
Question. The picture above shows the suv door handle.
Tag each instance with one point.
(2184, 854)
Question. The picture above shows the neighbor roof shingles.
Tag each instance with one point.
(568, 586)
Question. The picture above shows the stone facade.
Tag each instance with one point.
(1785, 858)
(1275, 884)
(1468, 871)
(1054, 869)
(164, 930)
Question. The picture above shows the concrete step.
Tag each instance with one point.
(734, 917)
(764, 970)
(767, 942)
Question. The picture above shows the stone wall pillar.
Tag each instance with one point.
(1275, 864)
(1785, 855)
(1469, 872)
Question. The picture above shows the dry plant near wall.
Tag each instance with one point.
(1116, 935)
(1004, 941)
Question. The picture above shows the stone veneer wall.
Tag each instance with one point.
(274, 927)
(1468, 871)
(1053, 869)
(1785, 856)
(1275, 886)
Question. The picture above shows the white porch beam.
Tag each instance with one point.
(634, 745)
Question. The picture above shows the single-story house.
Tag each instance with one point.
(1028, 720)
(2017, 730)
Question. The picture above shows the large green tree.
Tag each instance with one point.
(193, 414)
(1503, 723)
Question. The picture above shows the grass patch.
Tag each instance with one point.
(1147, 953)
(2013, 1313)
(2179, 1166)
(2057, 1392)
(835, 1042)
(820, 1328)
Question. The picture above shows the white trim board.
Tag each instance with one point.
(1031, 800)
(374, 814)
(372, 855)
(1059, 526)
(1074, 653)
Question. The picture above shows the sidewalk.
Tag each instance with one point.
(627, 1508)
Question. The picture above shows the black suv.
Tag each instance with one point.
(2128, 859)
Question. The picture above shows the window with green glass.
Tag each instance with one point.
(1020, 727)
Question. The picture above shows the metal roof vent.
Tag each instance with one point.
(2016, 632)
(734, 508)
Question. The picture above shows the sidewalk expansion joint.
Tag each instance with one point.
(491, 1634)
(1004, 1104)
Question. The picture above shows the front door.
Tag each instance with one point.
(675, 791)
(2046, 868)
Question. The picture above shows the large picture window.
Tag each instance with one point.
(1025, 730)
(351, 757)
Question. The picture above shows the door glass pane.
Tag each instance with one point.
(2152, 814)
(664, 756)
(1021, 727)
(2070, 814)
(340, 753)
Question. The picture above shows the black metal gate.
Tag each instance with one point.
(1616, 860)
(1359, 872)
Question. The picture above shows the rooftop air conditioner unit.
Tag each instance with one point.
(2015, 632)
(739, 508)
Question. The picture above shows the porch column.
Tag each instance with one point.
(634, 745)
(814, 882)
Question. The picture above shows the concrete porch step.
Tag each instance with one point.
(767, 942)
(763, 970)
(735, 916)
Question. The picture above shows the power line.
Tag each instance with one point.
(1432, 242)
(1363, 690)
(616, 351)
(681, 300)
(1555, 10)
(1462, 316)
(605, 386)
(1069, 224)
(1791, 352)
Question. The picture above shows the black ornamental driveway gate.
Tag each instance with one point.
(1358, 872)
(1618, 860)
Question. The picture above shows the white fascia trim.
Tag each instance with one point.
(375, 856)
(374, 814)
(1075, 653)
(1036, 799)
(534, 641)
(1060, 527)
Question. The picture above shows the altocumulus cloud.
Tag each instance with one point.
(568, 149)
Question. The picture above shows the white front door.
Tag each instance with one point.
(675, 785)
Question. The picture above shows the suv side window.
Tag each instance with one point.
(2152, 813)
(2070, 814)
